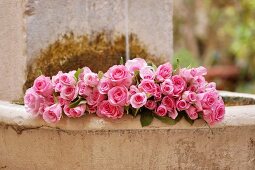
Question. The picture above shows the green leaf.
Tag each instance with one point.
(126, 109)
(191, 122)
(77, 73)
(177, 64)
(136, 111)
(75, 103)
(82, 102)
(136, 72)
(166, 120)
(146, 118)
(121, 61)
(100, 74)
(179, 117)
(154, 66)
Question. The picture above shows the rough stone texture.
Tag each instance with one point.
(151, 20)
(49, 20)
(29, 26)
(12, 49)
(93, 143)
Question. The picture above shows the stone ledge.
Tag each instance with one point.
(15, 115)
(93, 143)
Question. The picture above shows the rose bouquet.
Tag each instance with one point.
(135, 88)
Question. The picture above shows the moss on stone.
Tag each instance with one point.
(98, 52)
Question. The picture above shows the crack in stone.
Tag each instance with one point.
(20, 129)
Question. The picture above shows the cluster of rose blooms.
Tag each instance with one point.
(134, 85)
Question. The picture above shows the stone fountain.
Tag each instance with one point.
(44, 36)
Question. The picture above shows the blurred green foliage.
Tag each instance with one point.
(185, 58)
(217, 32)
(235, 21)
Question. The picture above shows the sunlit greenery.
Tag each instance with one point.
(218, 32)
(234, 22)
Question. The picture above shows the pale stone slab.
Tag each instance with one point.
(30, 26)
(93, 143)
(50, 20)
(151, 20)
(12, 49)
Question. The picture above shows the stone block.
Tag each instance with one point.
(13, 56)
(95, 143)
(47, 36)
(152, 21)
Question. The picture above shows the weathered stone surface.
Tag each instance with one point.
(50, 20)
(12, 49)
(151, 20)
(93, 143)
(29, 27)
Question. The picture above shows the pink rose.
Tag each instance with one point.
(209, 99)
(58, 87)
(182, 105)
(133, 90)
(173, 114)
(49, 100)
(209, 116)
(147, 86)
(199, 80)
(67, 79)
(189, 74)
(219, 112)
(119, 75)
(62, 101)
(161, 110)
(185, 74)
(91, 79)
(210, 87)
(138, 100)
(55, 79)
(85, 70)
(192, 112)
(167, 87)
(104, 86)
(193, 88)
(151, 104)
(118, 96)
(189, 96)
(179, 84)
(69, 93)
(34, 103)
(163, 72)
(53, 113)
(74, 112)
(95, 98)
(135, 65)
(84, 90)
(147, 72)
(157, 94)
(43, 86)
(199, 71)
(198, 106)
(169, 102)
(106, 109)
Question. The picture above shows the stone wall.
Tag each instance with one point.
(92, 143)
(31, 28)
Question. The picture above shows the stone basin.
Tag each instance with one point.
(92, 143)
